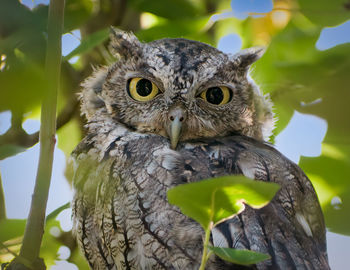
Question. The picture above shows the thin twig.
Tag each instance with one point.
(2, 245)
(17, 136)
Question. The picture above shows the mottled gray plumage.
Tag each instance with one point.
(125, 165)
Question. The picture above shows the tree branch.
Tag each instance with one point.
(29, 253)
(2, 202)
(17, 136)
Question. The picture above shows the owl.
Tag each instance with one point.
(176, 111)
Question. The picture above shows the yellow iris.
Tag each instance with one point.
(218, 95)
(142, 89)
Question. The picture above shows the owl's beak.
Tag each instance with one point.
(175, 130)
(177, 117)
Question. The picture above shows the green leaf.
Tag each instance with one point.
(51, 241)
(325, 12)
(78, 259)
(69, 136)
(174, 28)
(217, 199)
(330, 174)
(50, 244)
(76, 12)
(239, 256)
(11, 228)
(22, 83)
(89, 43)
(171, 9)
(285, 74)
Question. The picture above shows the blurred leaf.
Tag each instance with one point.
(325, 12)
(171, 9)
(329, 80)
(22, 84)
(89, 42)
(286, 69)
(220, 198)
(79, 260)
(174, 29)
(23, 29)
(76, 13)
(332, 171)
(239, 256)
(50, 245)
(11, 228)
(22, 48)
(12, 15)
(291, 48)
(10, 150)
(69, 136)
(229, 26)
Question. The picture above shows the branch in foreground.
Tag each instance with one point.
(2, 201)
(29, 254)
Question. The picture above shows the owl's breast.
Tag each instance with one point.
(122, 216)
(121, 206)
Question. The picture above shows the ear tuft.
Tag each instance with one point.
(124, 44)
(246, 57)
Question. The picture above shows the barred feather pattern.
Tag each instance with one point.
(122, 218)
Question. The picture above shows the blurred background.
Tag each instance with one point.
(306, 71)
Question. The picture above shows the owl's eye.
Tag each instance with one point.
(217, 95)
(142, 89)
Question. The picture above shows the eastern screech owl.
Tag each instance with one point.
(174, 111)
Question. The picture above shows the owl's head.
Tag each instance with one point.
(178, 88)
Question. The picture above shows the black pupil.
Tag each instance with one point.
(144, 87)
(214, 95)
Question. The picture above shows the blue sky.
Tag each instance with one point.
(306, 141)
(241, 8)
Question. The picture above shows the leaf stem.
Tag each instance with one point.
(2, 245)
(206, 255)
(209, 254)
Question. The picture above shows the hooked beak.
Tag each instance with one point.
(177, 116)
(175, 130)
